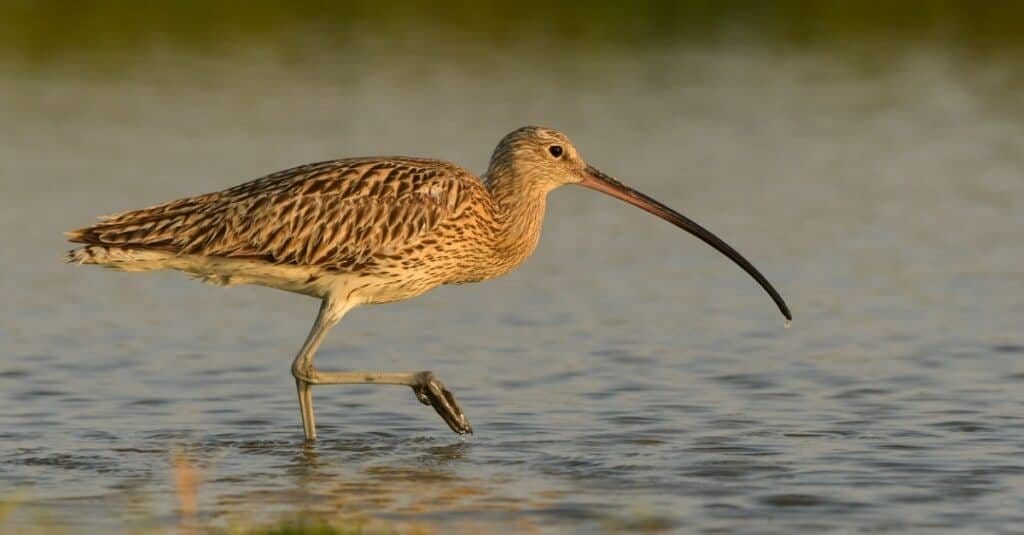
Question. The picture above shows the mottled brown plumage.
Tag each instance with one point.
(371, 216)
(417, 223)
(366, 230)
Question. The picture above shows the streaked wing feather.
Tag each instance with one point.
(337, 215)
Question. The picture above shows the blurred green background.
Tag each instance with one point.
(44, 33)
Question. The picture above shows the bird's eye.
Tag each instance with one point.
(555, 150)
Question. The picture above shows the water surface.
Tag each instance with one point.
(627, 377)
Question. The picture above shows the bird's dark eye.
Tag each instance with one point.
(555, 150)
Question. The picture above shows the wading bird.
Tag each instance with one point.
(368, 230)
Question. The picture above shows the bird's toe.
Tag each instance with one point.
(431, 391)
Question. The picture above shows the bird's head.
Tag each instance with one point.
(542, 159)
(537, 158)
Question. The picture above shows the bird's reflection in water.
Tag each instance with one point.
(399, 475)
(383, 474)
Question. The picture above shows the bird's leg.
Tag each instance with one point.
(427, 387)
(302, 367)
(306, 408)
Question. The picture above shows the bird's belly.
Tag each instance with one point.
(411, 276)
(389, 293)
(382, 285)
(226, 271)
(306, 280)
(376, 288)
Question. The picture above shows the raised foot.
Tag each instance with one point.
(431, 391)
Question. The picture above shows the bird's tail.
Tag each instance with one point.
(137, 240)
(122, 258)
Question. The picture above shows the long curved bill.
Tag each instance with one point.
(595, 179)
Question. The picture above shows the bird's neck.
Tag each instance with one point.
(519, 215)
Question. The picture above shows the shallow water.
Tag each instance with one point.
(627, 377)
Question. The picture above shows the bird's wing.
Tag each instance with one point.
(336, 215)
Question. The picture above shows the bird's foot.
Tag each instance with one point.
(431, 391)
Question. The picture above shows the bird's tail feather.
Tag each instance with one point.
(125, 259)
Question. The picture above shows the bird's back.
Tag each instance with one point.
(365, 215)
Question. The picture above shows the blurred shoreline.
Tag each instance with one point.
(117, 35)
